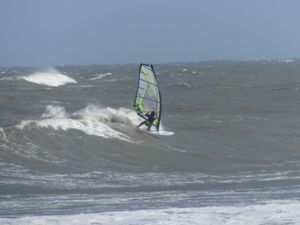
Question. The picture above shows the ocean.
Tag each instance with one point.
(228, 151)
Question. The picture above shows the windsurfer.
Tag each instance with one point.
(151, 116)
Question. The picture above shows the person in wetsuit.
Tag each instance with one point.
(151, 116)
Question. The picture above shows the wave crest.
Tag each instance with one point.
(50, 78)
(92, 120)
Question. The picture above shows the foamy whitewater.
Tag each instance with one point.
(89, 120)
(227, 151)
(272, 213)
(50, 78)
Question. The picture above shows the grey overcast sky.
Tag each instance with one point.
(59, 32)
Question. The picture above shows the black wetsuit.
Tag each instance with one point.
(150, 119)
(151, 116)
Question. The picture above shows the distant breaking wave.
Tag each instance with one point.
(99, 76)
(50, 78)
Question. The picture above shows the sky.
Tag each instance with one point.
(68, 32)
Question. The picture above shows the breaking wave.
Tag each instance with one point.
(99, 76)
(50, 78)
(95, 120)
(92, 120)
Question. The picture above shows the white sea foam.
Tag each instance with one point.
(3, 139)
(2, 133)
(106, 114)
(99, 76)
(121, 116)
(286, 60)
(7, 78)
(92, 120)
(162, 132)
(276, 212)
(50, 78)
(56, 112)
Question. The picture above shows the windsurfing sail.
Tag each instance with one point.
(148, 96)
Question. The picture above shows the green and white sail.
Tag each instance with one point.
(148, 96)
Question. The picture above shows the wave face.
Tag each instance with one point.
(227, 150)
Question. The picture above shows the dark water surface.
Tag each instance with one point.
(72, 147)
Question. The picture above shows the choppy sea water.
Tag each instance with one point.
(70, 152)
